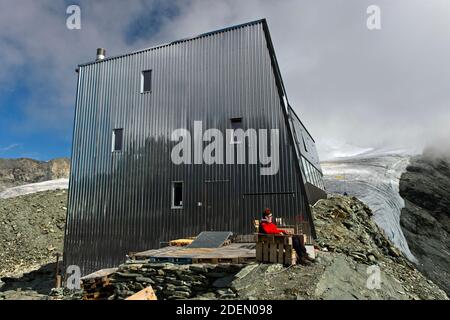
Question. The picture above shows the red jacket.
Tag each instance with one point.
(269, 228)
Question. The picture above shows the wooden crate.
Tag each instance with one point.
(271, 248)
(97, 285)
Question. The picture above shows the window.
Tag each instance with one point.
(146, 81)
(316, 177)
(304, 144)
(117, 140)
(304, 167)
(177, 195)
(236, 123)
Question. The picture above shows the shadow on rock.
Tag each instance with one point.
(39, 281)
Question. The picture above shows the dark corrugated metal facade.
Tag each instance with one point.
(121, 201)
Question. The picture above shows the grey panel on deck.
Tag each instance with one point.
(210, 239)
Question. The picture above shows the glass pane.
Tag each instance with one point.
(118, 139)
(178, 194)
(147, 78)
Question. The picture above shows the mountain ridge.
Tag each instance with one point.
(21, 171)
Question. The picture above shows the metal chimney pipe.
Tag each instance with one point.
(100, 54)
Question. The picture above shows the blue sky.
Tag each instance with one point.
(351, 86)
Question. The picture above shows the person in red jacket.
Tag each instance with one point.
(268, 227)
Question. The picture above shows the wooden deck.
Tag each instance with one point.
(233, 253)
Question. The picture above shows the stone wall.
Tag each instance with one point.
(170, 281)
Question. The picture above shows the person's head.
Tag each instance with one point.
(267, 214)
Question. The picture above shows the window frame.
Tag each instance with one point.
(143, 81)
(113, 140)
(233, 121)
(172, 202)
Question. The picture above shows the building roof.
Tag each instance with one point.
(203, 35)
(262, 21)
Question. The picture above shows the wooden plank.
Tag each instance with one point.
(144, 294)
(246, 259)
(103, 273)
(288, 241)
(280, 258)
(265, 252)
(279, 239)
(288, 255)
(187, 255)
(95, 296)
(273, 254)
(259, 251)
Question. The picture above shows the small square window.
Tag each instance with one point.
(117, 140)
(146, 81)
(177, 195)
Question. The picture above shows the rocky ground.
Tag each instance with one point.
(33, 285)
(425, 220)
(31, 230)
(345, 227)
(352, 250)
(355, 261)
(15, 172)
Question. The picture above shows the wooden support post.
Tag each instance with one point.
(265, 252)
(259, 251)
(57, 275)
(280, 253)
(273, 253)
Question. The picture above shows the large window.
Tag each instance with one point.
(177, 195)
(146, 81)
(312, 175)
(117, 139)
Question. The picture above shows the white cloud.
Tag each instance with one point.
(367, 88)
(10, 147)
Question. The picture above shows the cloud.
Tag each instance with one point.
(10, 147)
(366, 88)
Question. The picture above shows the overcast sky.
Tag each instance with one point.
(350, 86)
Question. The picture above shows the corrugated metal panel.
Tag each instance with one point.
(121, 201)
(304, 141)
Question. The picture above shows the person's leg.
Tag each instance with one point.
(300, 250)
(297, 246)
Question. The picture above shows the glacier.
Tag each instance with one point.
(373, 176)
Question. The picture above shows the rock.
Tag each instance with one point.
(424, 219)
(274, 268)
(224, 292)
(187, 277)
(183, 289)
(246, 270)
(155, 266)
(228, 268)
(216, 274)
(179, 295)
(145, 280)
(207, 296)
(223, 282)
(127, 275)
(197, 268)
(175, 281)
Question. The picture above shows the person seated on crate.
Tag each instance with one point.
(267, 226)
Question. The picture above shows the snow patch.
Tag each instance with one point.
(34, 187)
